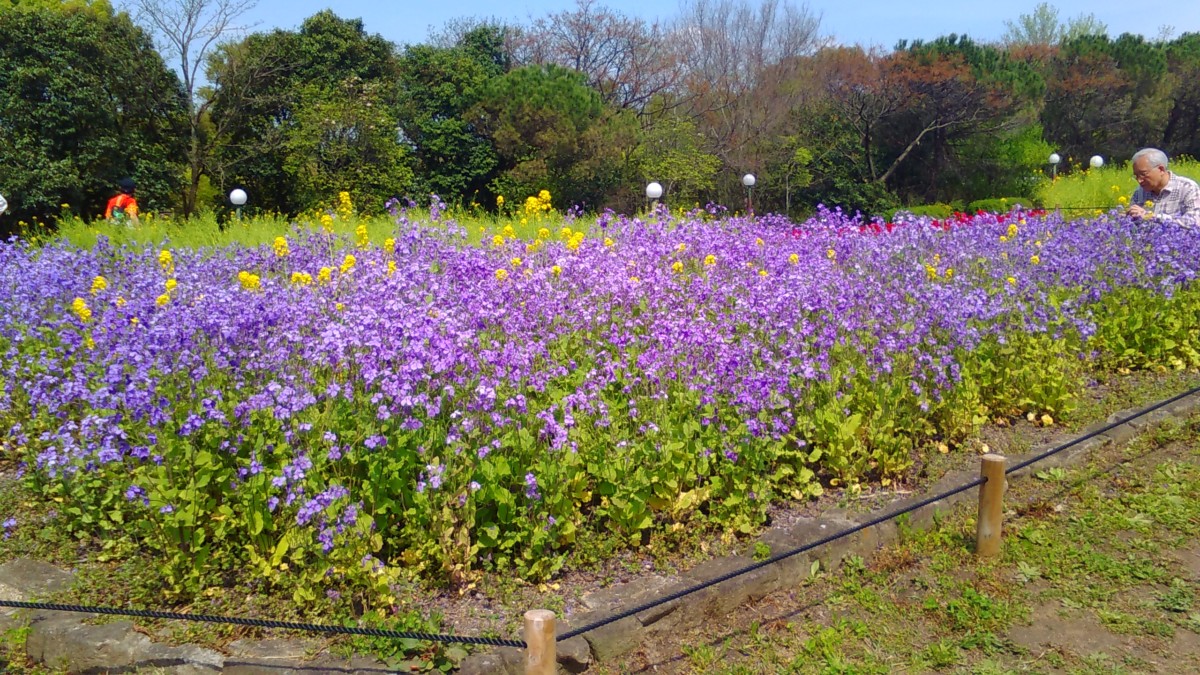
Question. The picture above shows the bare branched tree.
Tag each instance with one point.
(187, 30)
(745, 69)
(626, 59)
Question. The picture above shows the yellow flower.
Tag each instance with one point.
(391, 267)
(515, 262)
(556, 270)
(1012, 230)
(1122, 200)
(99, 284)
(524, 221)
(677, 267)
(575, 241)
(339, 306)
(1003, 239)
(608, 243)
(565, 233)
(758, 241)
(166, 262)
(170, 285)
(949, 272)
(360, 237)
(389, 246)
(133, 321)
(543, 233)
(533, 246)
(1012, 281)
(794, 258)
(831, 254)
(162, 300)
(501, 274)
(326, 222)
(499, 201)
(81, 309)
(1035, 259)
(497, 241)
(89, 342)
(681, 248)
(931, 272)
(635, 280)
(250, 282)
(120, 301)
(1149, 204)
(762, 273)
(348, 263)
(509, 232)
(710, 260)
(324, 275)
(281, 247)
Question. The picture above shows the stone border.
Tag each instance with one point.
(66, 641)
(621, 637)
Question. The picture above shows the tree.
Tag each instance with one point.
(187, 31)
(438, 86)
(84, 101)
(345, 140)
(625, 59)
(1042, 27)
(268, 80)
(1181, 134)
(1106, 96)
(745, 70)
(671, 152)
(553, 132)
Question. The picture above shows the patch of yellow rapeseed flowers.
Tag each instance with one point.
(98, 285)
(281, 247)
(80, 307)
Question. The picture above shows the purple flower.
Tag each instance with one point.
(531, 487)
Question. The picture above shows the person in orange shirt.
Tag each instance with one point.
(123, 208)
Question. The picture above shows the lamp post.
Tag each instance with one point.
(748, 180)
(238, 198)
(653, 192)
(1054, 160)
(1096, 161)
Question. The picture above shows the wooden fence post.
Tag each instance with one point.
(540, 655)
(991, 506)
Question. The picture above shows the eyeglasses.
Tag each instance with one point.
(1138, 175)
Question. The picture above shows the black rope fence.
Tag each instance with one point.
(870, 523)
(496, 642)
(268, 623)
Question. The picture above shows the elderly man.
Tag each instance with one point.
(1161, 192)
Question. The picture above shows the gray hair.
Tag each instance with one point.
(1155, 156)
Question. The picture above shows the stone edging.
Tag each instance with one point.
(621, 637)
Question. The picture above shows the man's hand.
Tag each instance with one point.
(1137, 211)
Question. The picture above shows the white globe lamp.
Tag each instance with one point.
(237, 197)
(653, 191)
(1096, 161)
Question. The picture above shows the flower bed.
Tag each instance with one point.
(346, 414)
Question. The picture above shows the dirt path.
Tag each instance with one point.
(1099, 575)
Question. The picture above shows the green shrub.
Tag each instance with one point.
(1000, 204)
(931, 210)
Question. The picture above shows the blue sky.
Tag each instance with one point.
(866, 22)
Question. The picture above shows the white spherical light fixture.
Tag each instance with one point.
(1096, 161)
(237, 197)
(653, 191)
(1054, 158)
(748, 180)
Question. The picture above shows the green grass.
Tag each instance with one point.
(1100, 189)
(208, 231)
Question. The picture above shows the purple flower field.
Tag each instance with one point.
(437, 408)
